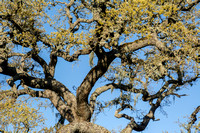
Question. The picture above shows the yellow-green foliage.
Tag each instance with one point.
(19, 116)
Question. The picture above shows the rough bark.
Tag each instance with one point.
(82, 127)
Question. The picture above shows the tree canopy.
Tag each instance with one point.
(132, 45)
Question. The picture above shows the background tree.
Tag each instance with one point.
(165, 51)
(18, 116)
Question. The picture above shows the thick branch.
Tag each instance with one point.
(190, 5)
(152, 40)
(138, 44)
(42, 63)
(60, 105)
(52, 63)
(75, 56)
(52, 84)
(64, 110)
(86, 86)
(40, 83)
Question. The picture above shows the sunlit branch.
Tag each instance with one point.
(152, 40)
(112, 86)
(15, 54)
(193, 119)
(98, 92)
(86, 4)
(66, 4)
(124, 106)
(52, 63)
(75, 25)
(60, 105)
(75, 56)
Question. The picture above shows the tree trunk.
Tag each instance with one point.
(82, 127)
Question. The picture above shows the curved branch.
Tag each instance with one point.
(138, 44)
(75, 56)
(86, 86)
(60, 105)
(124, 106)
(52, 63)
(190, 5)
(98, 92)
(64, 110)
(33, 82)
(51, 84)
(193, 117)
(112, 86)
(42, 62)
(151, 40)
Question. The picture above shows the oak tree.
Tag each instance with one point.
(131, 44)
